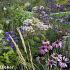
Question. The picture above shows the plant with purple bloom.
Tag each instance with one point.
(52, 63)
(59, 6)
(52, 6)
(9, 39)
(45, 42)
(63, 58)
(46, 47)
(57, 44)
(63, 62)
(42, 13)
(54, 56)
(43, 50)
(11, 33)
(12, 45)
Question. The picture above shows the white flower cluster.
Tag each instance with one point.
(29, 24)
(27, 27)
(43, 26)
(4, 8)
(1, 31)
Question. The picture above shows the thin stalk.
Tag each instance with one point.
(42, 66)
(31, 57)
(21, 58)
(23, 43)
(36, 66)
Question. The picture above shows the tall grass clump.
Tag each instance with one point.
(21, 57)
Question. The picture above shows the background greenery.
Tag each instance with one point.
(12, 15)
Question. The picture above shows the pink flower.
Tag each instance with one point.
(49, 47)
(45, 42)
(62, 64)
(51, 63)
(43, 50)
(46, 47)
(54, 56)
(57, 44)
(62, 60)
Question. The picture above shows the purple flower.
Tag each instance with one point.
(46, 47)
(43, 50)
(11, 33)
(12, 45)
(51, 63)
(21, 30)
(61, 7)
(57, 44)
(69, 1)
(45, 42)
(7, 37)
(7, 33)
(16, 39)
(54, 56)
(63, 59)
(62, 64)
(49, 47)
(53, 6)
(59, 57)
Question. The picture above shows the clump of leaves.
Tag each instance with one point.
(7, 55)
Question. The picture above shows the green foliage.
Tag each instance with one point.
(13, 13)
(37, 2)
(36, 38)
(59, 14)
(62, 1)
(51, 35)
(65, 26)
(17, 16)
(8, 56)
(13, 16)
(31, 41)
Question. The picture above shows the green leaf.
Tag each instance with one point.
(36, 39)
(31, 42)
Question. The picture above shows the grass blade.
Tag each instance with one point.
(31, 57)
(21, 58)
(23, 43)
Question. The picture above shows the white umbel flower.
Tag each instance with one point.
(42, 26)
(27, 28)
(4, 8)
(1, 31)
